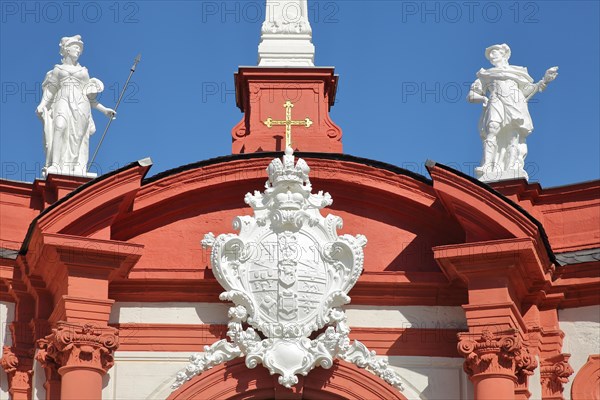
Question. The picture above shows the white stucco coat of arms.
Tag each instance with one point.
(288, 274)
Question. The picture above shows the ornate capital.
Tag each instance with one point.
(19, 374)
(501, 353)
(74, 345)
(554, 373)
(9, 360)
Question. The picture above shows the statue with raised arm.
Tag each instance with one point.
(68, 96)
(505, 123)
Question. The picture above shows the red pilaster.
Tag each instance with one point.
(499, 275)
(52, 383)
(81, 345)
(17, 359)
(545, 341)
(18, 372)
(555, 372)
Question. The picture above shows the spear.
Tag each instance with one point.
(131, 71)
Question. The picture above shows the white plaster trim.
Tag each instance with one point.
(169, 313)
(119, 376)
(425, 378)
(535, 382)
(38, 391)
(431, 317)
(581, 326)
(428, 378)
(7, 315)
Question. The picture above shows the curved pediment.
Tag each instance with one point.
(404, 215)
(399, 210)
(483, 213)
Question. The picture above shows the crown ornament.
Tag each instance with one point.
(287, 172)
(288, 197)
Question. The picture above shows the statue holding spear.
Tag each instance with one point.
(68, 96)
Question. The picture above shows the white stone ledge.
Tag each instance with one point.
(581, 326)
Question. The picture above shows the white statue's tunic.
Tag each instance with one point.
(505, 123)
(507, 100)
(67, 150)
(66, 112)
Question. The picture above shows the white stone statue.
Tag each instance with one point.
(286, 36)
(65, 110)
(505, 123)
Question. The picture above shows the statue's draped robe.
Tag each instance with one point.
(69, 148)
(507, 88)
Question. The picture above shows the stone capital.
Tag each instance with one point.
(501, 353)
(554, 373)
(72, 346)
(19, 373)
(9, 360)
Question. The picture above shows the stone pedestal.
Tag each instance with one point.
(495, 175)
(286, 36)
(262, 93)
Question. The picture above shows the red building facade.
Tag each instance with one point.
(91, 270)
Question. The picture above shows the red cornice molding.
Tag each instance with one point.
(576, 192)
(385, 288)
(86, 206)
(286, 74)
(474, 258)
(385, 341)
(16, 187)
(46, 249)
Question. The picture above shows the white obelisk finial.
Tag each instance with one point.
(286, 36)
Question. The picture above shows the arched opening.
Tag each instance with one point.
(234, 381)
(586, 384)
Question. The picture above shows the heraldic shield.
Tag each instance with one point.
(288, 274)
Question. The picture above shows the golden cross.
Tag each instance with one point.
(288, 123)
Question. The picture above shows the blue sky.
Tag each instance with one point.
(404, 66)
